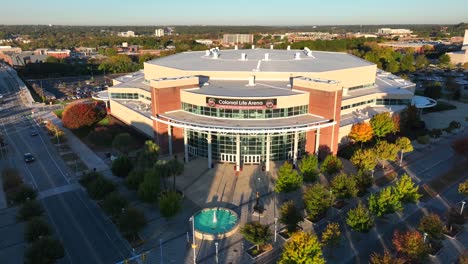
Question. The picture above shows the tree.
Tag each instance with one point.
(100, 188)
(118, 64)
(174, 168)
(411, 244)
(11, 178)
(309, 168)
(460, 146)
(421, 62)
(361, 132)
(360, 219)
(331, 236)
(444, 60)
(21, 194)
(382, 124)
(123, 143)
(392, 66)
(432, 225)
(148, 190)
(331, 165)
(363, 181)
(81, 114)
(433, 91)
(122, 166)
(364, 159)
(386, 258)
(290, 216)
(35, 229)
(135, 178)
(256, 233)
(131, 221)
(384, 202)
(407, 62)
(302, 247)
(170, 203)
(148, 157)
(29, 210)
(288, 179)
(113, 204)
(385, 151)
(396, 122)
(463, 187)
(406, 190)
(404, 144)
(343, 186)
(317, 200)
(44, 251)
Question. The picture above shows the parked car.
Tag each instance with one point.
(34, 133)
(28, 157)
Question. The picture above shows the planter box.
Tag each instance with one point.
(253, 254)
(339, 204)
(317, 218)
(452, 231)
(283, 233)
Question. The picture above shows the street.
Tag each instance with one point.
(87, 234)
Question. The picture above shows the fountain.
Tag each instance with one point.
(215, 223)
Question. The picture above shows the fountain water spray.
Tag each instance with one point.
(215, 220)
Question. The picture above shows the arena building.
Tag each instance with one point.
(254, 106)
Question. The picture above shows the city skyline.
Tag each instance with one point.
(242, 12)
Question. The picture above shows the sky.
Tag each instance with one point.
(233, 12)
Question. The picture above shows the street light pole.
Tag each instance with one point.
(372, 171)
(160, 248)
(216, 246)
(425, 236)
(276, 222)
(462, 207)
(194, 246)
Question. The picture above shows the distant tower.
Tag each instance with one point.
(465, 41)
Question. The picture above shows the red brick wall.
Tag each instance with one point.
(328, 105)
(164, 100)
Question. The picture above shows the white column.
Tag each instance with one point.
(238, 154)
(185, 145)
(296, 143)
(317, 141)
(267, 160)
(169, 139)
(208, 139)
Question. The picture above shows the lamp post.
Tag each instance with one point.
(160, 248)
(216, 247)
(372, 171)
(194, 246)
(424, 237)
(276, 223)
(462, 207)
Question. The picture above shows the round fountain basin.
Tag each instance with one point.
(211, 227)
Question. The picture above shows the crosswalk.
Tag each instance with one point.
(59, 190)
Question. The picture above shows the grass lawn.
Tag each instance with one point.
(441, 106)
(70, 157)
(59, 113)
(104, 122)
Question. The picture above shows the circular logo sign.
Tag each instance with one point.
(269, 104)
(211, 102)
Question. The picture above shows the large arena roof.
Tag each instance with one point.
(255, 61)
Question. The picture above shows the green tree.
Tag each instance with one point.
(421, 62)
(22, 194)
(122, 166)
(407, 63)
(302, 247)
(412, 245)
(35, 229)
(331, 236)
(385, 151)
(405, 190)
(123, 143)
(174, 167)
(432, 225)
(290, 216)
(44, 251)
(384, 202)
(360, 219)
(404, 144)
(113, 204)
(51, 59)
(433, 91)
(256, 233)
(331, 165)
(288, 179)
(131, 221)
(100, 188)
(317, 200)
(382, 124)
(444, 60)
(148, 157)
(309, 168)
(135, 178)
(364, 159)
(392, 66)
(29, 210)
(343, 186)
(463, 187)
(386, 258)
(170, 203)
(148, 190)
(363, 181)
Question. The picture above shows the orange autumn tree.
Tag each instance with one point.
(361, 132)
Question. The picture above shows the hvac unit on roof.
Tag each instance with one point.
(243, 56)
(289, 47)
(267, 56)
(253, 46)
(271, 46)
(297, 56)
(207, 53)
(215, 55)
(308, 52)
(251, 80)
(236, 47)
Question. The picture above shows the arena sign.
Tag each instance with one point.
(236, 103)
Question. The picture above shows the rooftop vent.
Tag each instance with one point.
(308, 52)
(207, 53)
(267, 56)
(236, 47)
(243, 56)
(253, 46)
(252, 80)
(215, 55)
(288, 48)
(297, 56)
(271, 46)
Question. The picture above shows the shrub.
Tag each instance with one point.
(343, 186)
(21, 194)
(423, 139)
(432, 225)
(170, 203)
(302, 247)
(288, 179)
(435, 133)
(256, 233)
(123, 143)
(290, 216)
(317, 200)
(88, 178)
(454, 125)
(122, 166)
(412, 245)
(364, 159)
(360, 219)
(135, 178)
(463, 187)
(406, 190)
(113, 204)
(29, 210)
(81, 114)
(35, 229)
(384, 202)
(100, 188)
(11, 179)
(331, 236)
(309, 168)
(44, 251)
(363, 181)
(331, 165)
(131, 221)
(149, 189)
(101, 136)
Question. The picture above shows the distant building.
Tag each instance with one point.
(127, 34)
(418, 47)
(360, 35)
(394, 32)
(10, 49)
(59, 54)
(21, 59)
(159, 32)
(460, 57)
(86, 51)
(156, 52)
(305, 36)
(207, 42)
(238, 38)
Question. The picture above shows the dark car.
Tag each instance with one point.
(28, 157)
(34, 133)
